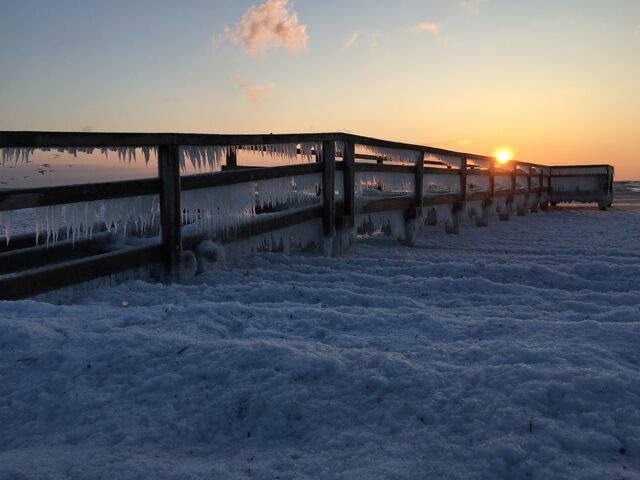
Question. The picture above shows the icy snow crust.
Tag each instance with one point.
(507, 352)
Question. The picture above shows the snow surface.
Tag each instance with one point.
(503, 352)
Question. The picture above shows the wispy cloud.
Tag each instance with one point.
(253, 92)
(473, 6)
(351, 39)
(636, 34)
(432, 29)
(269, 26)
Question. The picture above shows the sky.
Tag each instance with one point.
(558, 82)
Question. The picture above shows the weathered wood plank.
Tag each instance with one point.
(18, 198)
(259, 226)
(385, 204)
(170, 210)
(33, 282)
(32, 257)
(441, 199)
(243, 175)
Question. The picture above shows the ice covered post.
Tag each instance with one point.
(414, 213)
(345, 223)
(328, 195)
(170, 212)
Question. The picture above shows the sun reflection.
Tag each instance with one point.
(503, 155)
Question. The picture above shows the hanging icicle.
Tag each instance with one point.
(446, 160)
(218, 208)
(407, 157)
(5, 224)
(203, 157)
(384, 181)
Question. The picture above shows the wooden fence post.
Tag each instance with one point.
(328, 194)
(170, 211)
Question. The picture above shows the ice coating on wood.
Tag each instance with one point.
(480, 163)
(440, 183)
(78, 219)
(13, 156)
(339, 185)
(305, 235)
(218, 208)
(308, 186)
(448, 160)
(391, 223)
(598, 170)
(285, 151)
(5, 224)
(385, 181)
(477, 183)
(502, 181)
(408, 157)
(203, 157)
(569, 184)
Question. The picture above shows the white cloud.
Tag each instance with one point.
(255, 93)
(472, 5)
(268, 26)
(351, 39)
(432, 29)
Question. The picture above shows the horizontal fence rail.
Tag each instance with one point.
(337, 184)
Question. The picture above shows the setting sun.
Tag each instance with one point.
(503, 155)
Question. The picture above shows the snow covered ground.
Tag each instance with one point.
(503, 352)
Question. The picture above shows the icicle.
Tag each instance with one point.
(202, 157)
(15, 155)
(275, 191)
(448, 160)
(79, 218)
(218, 208)
(283, 151)
(391, 154)
(391, 223)
(437, 184)
(5, 222)
(384, 181)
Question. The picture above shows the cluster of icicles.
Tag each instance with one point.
(79, 220)
(210, 209)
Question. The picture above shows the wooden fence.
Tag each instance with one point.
(475, 185)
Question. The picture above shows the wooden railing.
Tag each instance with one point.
(27, 269)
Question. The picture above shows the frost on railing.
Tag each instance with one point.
(202, 157)
(434, 183)
(384, 181)
(216, 208)
(502, 181)
(14, 156)
(78, 220)
(449, 161)
(407, 157)
(285, 151)
(477, 183)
